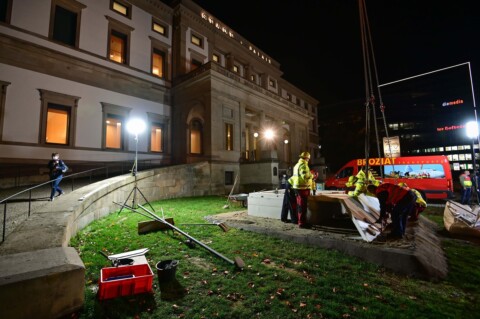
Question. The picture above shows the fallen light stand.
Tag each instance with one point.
(237, 262)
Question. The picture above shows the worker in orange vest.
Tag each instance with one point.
(396, 200)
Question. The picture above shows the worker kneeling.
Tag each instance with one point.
(397, 201)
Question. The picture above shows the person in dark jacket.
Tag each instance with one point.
(57, 168)
(398, 201)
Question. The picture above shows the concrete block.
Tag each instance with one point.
(47, 283)
(266, 204)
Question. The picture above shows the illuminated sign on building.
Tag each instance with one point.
(217, 25)
(450, 128)
(230, 33)
(456, 102)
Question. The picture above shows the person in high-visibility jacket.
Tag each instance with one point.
(372, 179)
(466, 183)
(360, 184)
(420, 203)
(301, 182)
(396, 200)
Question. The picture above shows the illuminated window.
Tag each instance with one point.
(113, 131)
(158, 63)
(159, 28)
(5, 10)
(156, 138)
(235, 69)
(57, 125)
(272, 83)
(215, 58)
(58, 118)
(65, 21)
(252, 77)
(229, 137)
(121, 7)
(118, 41)
(196, 40)
(196, 129)
(114, 126)
(118, 47)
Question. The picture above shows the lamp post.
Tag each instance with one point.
(472, 133)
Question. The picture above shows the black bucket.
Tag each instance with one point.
(166, 270)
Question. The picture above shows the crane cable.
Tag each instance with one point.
(369, 62)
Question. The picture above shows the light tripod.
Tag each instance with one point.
(135, 127)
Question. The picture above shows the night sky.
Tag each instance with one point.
(318, 42)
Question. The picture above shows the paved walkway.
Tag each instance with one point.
(17, 208)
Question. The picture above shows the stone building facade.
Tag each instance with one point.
(73, 72)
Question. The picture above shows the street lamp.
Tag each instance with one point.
(269, 134)
(472, 133)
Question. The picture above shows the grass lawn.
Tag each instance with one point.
(280, 280)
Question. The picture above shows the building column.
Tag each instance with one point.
(230, 59)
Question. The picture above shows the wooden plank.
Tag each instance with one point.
(153, 225)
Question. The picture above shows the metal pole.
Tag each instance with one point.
(475, 171)
(4, 220)
(29, 202)
(134, 172)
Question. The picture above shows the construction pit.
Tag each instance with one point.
(346, 224)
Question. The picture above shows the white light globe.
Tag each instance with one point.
(472, 129)
(136, 126)
(269, 134)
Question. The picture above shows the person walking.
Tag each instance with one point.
(398, 201)
(301, 182)
(466, 183)
(57, 169)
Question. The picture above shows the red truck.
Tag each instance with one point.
(430, 174)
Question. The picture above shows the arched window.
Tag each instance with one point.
(196, 133)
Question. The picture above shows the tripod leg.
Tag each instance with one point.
(145, 199)
(126, 200)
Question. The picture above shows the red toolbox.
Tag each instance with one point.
(125, 281)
